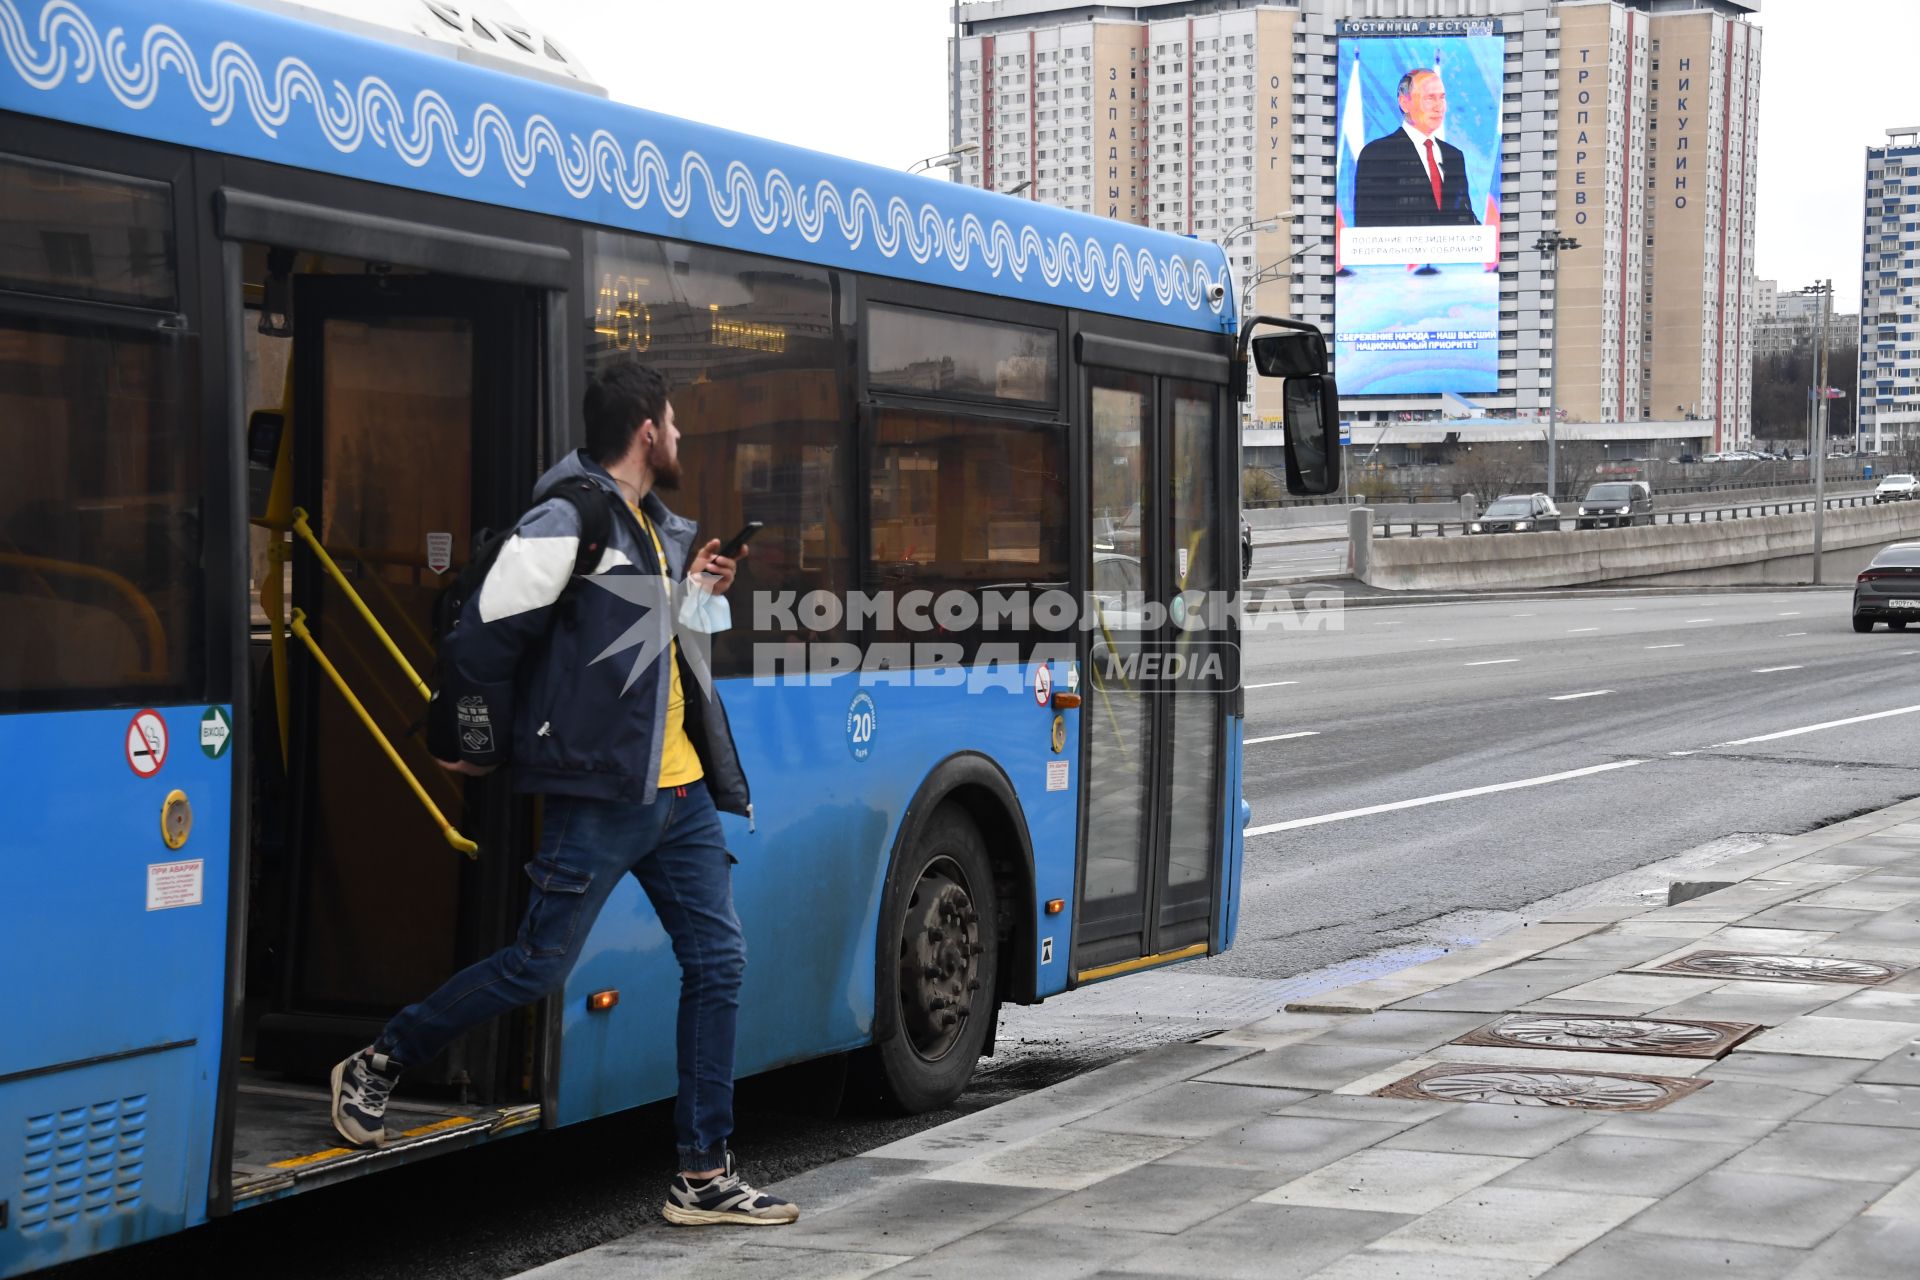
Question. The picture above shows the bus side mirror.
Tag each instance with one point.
(1310, 402)
(1311, 407)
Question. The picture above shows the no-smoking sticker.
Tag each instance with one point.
(147, 743)
(1043, 684)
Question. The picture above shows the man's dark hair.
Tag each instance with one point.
(623, 394)
(1406, 81)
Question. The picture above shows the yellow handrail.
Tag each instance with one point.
(143, 610)
(453, 837)
(305, 531)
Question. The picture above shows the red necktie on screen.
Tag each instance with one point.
(1433, 173)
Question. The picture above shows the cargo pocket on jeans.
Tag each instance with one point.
(553, 914)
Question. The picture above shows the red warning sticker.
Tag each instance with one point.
(147, 743)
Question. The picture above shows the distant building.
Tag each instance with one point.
(1629, 124)
(1889, 264)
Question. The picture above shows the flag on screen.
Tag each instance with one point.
(1440, 134)
(1353, 136)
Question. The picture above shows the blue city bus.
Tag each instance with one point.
(292, 309)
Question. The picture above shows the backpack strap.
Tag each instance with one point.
(591, 503)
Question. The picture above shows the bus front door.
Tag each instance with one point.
(1157, 670)
(415, 418)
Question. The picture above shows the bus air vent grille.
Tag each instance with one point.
(83, 1162)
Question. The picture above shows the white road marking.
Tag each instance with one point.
(1523, 615)
(1569, 697)
(1683, 753)
(1761, 671)
(1699, 619)
(1274, 685)
(1665, 646)
(1626, 609)
(1492, 662)
(1296, 823)
(1577, 630)
(1280, 737)
(1791, 634)
(1794, 614)
(1439, 639)
(1815, 728)
(1390, 624)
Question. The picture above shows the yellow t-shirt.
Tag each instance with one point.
(679, 762)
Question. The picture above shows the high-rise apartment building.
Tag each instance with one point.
(1889, 269)
(1629, 125)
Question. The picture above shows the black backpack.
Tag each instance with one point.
(594, 507)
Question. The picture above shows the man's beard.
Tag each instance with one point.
(666, 473)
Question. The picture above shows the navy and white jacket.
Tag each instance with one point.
(549, 685)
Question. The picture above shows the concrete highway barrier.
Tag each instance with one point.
(1765, 550)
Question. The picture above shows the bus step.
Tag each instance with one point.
(328, 1165)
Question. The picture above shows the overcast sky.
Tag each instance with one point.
(867, 79)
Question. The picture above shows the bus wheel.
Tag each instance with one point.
(942, 987)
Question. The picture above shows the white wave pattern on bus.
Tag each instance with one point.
(70, 46)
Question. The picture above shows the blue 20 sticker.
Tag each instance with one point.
(861, 722)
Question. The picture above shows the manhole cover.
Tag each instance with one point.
(1765, 968)
(1671, 1037)
(1519, 1087)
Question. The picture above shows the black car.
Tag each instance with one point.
(1888, 589)
(1614, 504)
(1517, 513)
(1246, 548)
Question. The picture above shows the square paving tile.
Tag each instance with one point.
(1619, 948)
(1279, 1029)
(1286, 1146)
(1617, 1166)
(1821, 919)
(831, 1185)
(1745, 1100)
(1064, 1160)
(1866, 1249)
(1895, 1106)
(1408, 1030)
(1900, 927)
(1771, 941)
(1848, 1152)
(909, 1218)
(1878, 1004)
(1768, 1003)
(1631, 988)
(1478, 1129)
(1796, 1071)
(1902, 1202)
(1305, 1066)
(1400, 1112)
(1687, 1128)
(1900, 1068)
(1520, 1223)
(1032, 1252)
(1191, 1109)
(1763, 1208)
(666, 1253)
(1391, 1181)
(1628, 1253)
(1263, 1242)
(1161, 1199)
(1836, 1037)
(1372, 1263)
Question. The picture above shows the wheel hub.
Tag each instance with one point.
(940, 950)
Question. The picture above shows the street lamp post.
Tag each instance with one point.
(943, 159)
(1824, 291)
(1550, 243)
(1264, 275)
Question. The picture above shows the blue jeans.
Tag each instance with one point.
(674, 849)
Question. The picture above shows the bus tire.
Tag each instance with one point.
(944, 930)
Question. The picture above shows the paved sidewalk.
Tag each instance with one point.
(1269, 1151)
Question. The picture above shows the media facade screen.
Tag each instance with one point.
(1417, 289)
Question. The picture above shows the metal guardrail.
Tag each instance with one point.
(1566, 523)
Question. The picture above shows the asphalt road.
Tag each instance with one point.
(1646, 705)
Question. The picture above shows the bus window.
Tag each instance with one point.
(965, 503)
(961, 357)
(78, 233)
(99, 461)
(747, 346)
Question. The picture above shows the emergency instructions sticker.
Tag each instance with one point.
(175, 884)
